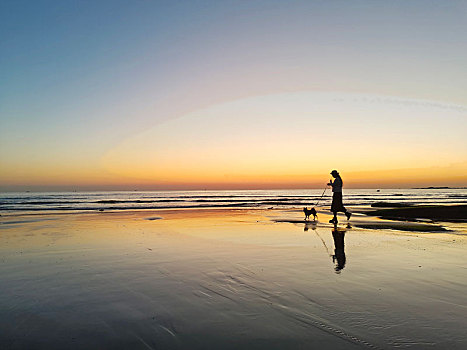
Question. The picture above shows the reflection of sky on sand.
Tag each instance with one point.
(223, 277)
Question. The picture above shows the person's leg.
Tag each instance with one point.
(334, 207)
(334, 219)
(347, 213)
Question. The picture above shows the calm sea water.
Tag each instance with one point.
(79, 201)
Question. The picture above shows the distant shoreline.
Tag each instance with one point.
(439, 188)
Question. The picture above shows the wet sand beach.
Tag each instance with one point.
(229, 279)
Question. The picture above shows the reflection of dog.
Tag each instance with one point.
(309, 212)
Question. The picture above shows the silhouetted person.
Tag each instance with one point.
(337, 205)
(339, 252)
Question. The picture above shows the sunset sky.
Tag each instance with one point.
(102, 95)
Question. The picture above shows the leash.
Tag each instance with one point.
(322, 195)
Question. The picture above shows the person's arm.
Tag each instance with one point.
(340, 183)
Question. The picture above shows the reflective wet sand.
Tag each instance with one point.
(197, 279)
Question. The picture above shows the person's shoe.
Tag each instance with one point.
(348, 214)
(333, 221)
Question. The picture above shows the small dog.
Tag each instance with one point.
(309, 212)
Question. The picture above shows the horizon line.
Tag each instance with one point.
(227, 189)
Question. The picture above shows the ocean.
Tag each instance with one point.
(144, 200)
(228, 279)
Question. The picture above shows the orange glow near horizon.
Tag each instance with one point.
(289, 140)
(454, 175)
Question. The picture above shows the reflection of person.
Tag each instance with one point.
(337, 205)
(339, 252)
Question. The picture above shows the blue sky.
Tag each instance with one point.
(80, 77)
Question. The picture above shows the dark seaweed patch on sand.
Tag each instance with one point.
(452, 213)
(154, 218)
